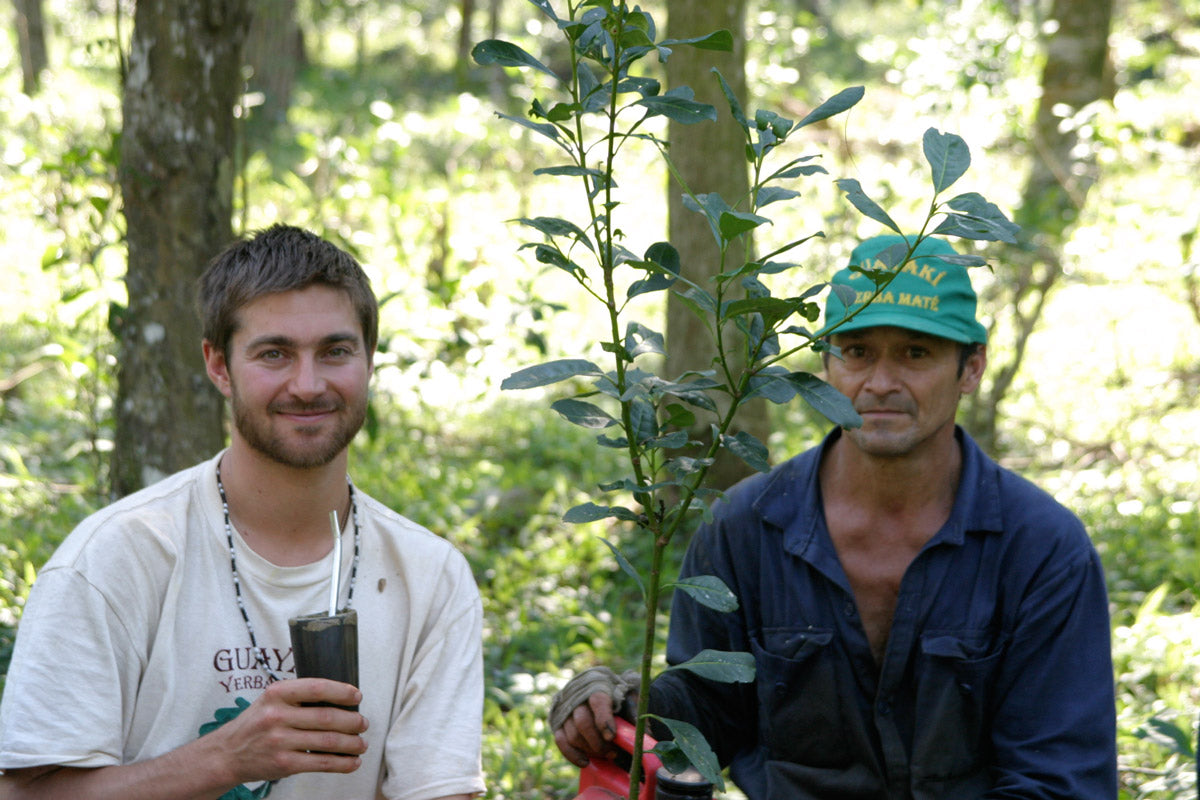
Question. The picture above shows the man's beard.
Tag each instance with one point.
(308, 453)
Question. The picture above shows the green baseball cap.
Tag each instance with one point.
(929, 295)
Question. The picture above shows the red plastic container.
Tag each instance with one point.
(603, 779)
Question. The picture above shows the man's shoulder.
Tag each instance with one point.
(1024, 512)
(408, 537)
(784, 480)
(160, 511)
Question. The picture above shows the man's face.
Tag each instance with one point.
(296, 372)
(904, 384)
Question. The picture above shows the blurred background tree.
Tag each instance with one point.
(1081, 119)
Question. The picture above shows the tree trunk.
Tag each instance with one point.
(31, 39)
(1077, 73)
(177, 182)
(274, 53)
(710, 158)
(462, 59)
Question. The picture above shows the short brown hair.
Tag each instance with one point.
(279, 259)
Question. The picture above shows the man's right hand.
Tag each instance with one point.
(588, 731)
(278, 735)
(274, 737)
(581, 714)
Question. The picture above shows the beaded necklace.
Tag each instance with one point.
(259, 658)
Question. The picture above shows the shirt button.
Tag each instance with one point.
(884, 708)
(848, 609)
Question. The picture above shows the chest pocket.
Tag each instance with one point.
(800, 698)
(955, 692)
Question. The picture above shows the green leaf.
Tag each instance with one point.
(858, 198)
(834, 405)
(640, 340)
(709, 591)
(550, 254)
(663, 258)
(679, 416)
(976, 206)
(1167, 734)
(645, 422)
(585, 415)
(590, 512)
(734, 223)
(721, 41)
(699, 301)
(569, 171)
(670, 441)
(671, 755)
(550, 372)
(685, 465)
(694, 746)
(948, 157)
(773, 309)
(553, 226)
(774, 388)
(748, 448)
(543, 128)
(772, 194)
(506, 54)
(841, 101)
(722, 666)
(735, 107)
(626, 567)
(964, 261)
(678, 105)
(966, 226)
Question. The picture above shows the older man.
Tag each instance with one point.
(924, 623)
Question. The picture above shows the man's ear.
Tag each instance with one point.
(217, 368)
(973, 370)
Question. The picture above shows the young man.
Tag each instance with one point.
(153, 659)
(925, 624)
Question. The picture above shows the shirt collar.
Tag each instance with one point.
(790, 499)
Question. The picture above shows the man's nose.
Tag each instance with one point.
(883, 377)
(307, 379)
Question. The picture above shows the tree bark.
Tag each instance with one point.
(462, 58)
(31, 39)
(710, 158)
(274, 52)
(1077, 73)
(177, 181)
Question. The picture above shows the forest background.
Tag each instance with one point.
(366, 121)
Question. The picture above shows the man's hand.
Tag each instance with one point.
(581, 714)
(277, 736)
(589, 730)
(273, 738)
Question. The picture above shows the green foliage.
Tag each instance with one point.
(1158, 680)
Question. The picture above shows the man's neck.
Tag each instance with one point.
(899, 485)
(282, 512)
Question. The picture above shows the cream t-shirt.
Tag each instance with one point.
(132, 644)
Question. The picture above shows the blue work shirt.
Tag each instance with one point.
(996, 682)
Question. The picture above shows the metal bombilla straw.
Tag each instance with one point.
(334, 589)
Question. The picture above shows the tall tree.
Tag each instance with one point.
(177, 182)
(1077, 72)
(709, 158)
(31, 40)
